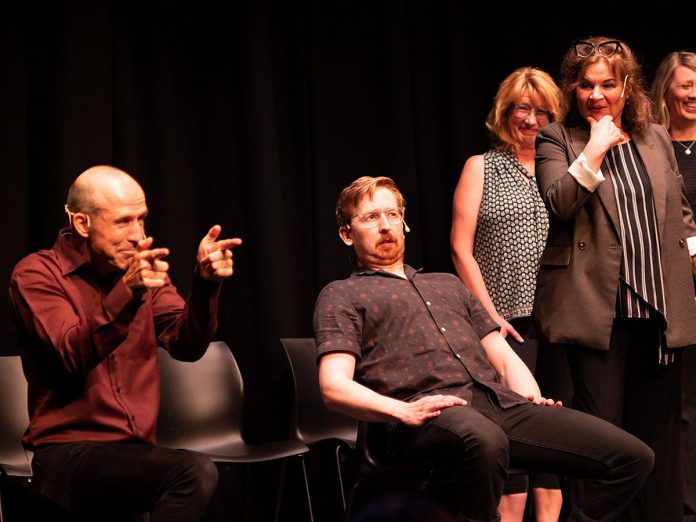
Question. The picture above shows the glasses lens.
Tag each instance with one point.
(522, 111)
(394, 216)
(607, 48)
(371, 219)
(584, 49)
(542, 115)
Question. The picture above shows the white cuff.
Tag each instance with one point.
(584, 175)
(691, 243)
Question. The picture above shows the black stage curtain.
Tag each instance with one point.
(254, 115)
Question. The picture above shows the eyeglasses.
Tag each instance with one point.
(606, 49)
(372, 218)
(523, 111)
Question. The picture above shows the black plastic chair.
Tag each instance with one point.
(374, 465)
(201, 410)
(312, 422)
(15, 461)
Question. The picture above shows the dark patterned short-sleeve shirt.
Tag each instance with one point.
(411, 337)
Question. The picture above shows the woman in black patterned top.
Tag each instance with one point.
(615, 284)
(674, 98)
(499, 228)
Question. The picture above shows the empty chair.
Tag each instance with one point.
(201, 410)
(15, 462)
(312, 421)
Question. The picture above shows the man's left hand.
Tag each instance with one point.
(215, 256)
(543, 401)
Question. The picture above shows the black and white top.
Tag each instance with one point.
(641, 290)
(510, 234)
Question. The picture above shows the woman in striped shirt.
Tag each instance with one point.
(615, 286)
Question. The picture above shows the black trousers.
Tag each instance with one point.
(117, 481)
(481, 440)
(688, 433)
(627, 387)
(527, 351)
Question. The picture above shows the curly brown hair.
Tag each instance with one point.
(636, 116)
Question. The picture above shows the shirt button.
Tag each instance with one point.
(428, 303)
(682, 242)
(581, 245)
(457, 356)
(443, 329)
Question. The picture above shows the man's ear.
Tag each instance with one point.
(81, 224)
(345, 233)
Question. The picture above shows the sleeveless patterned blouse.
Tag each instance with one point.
(510, 234)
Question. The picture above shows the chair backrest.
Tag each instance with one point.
(312, 421)
(201, 402)
(14, 417)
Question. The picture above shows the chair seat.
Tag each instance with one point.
(346, 437)
(237, 451)
(21, 470)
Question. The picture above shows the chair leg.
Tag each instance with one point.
(351, 499)
(281, 487)
(306, 482)
(339, 471)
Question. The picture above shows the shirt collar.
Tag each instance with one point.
(69, 258)
(362, 271)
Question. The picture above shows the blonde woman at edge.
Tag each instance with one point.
(674, 97)
(499, 229)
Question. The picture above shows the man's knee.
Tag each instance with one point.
(487, 448)
(637, 459)
(202, 474)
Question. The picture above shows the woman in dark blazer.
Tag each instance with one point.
(615, 282)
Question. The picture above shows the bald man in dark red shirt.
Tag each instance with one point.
(91, 312)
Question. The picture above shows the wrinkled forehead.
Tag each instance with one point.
(120, 198)
(595, 64)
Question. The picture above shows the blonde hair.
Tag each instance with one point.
(663, 79)
(525, 80)
(353, 194)
(623, 64)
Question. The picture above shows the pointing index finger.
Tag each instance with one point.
(154, 254)
(224, 244)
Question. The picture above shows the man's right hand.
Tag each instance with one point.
(147, 269)
(417, 413)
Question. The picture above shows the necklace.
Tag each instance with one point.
(687, 150)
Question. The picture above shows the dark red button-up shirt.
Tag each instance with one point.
(411, 337)
(89, 349)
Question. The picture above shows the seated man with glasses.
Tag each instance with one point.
(417, 350)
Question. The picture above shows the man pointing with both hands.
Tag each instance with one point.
(91, 313)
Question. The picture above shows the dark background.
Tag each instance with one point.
(255, 114)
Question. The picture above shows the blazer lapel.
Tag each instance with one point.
(654, 165)
(605, 191)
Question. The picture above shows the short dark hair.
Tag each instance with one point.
(81, 198)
